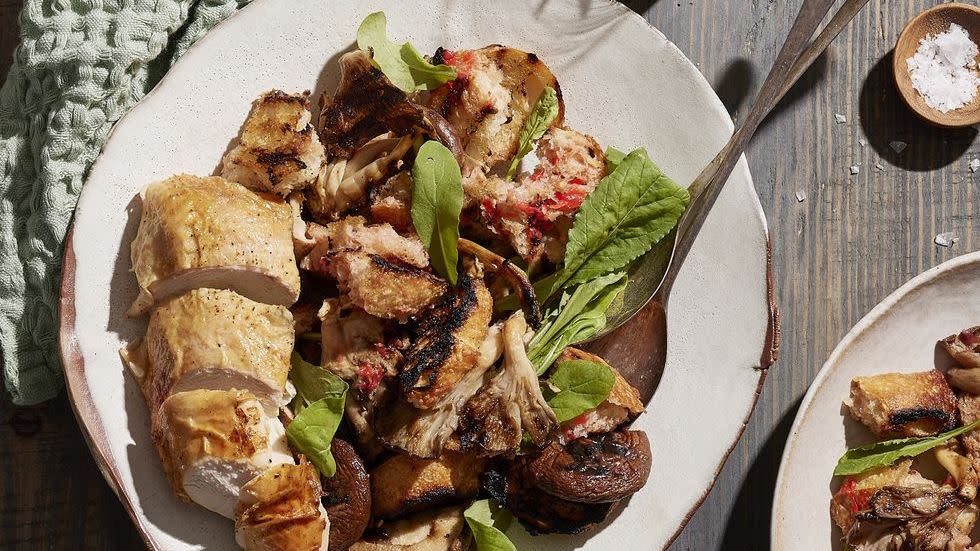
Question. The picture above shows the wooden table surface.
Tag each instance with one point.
(853, 240)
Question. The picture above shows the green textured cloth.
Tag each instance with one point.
(80, 66)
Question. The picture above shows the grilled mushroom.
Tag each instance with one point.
(603, 469)
(515, 276)
(964, 347)
(924, 517)
(346, 497)
(539, 511)
(494, 420)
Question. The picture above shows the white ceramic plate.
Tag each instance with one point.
(898, 335)
(623, 82)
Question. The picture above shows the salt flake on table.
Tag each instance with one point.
(841, 119)
(880, 166)
(943, 69)
(946, 239)
(862, 142)
(855, 169)
(975, 165)
(898, 146)
(801, 196)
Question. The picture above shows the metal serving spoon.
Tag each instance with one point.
(644, 309)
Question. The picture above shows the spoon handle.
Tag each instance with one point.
(793, 60)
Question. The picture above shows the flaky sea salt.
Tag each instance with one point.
(801, 196)
(974, 165)
(946, 239)
(898, 146)
(855, 170)
(841, 119)
(943, 69)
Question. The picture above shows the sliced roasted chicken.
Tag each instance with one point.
(280, 510)
(622, 405)
(278, 150)
(209, 232)
(494, 92)
(494, 421)
(534, 212)
(216, 340)
(381, 272)
(437, 530)
(448, 343)
(427, 432)
(903, 404)
(404, 484)
(212, 442)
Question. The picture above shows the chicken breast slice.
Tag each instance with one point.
(212, 442)
(278, 150)
(280, 510)
(208, 232)
(216, 339)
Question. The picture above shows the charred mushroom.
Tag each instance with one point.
(518, 280)
(539, 511)
(346, 497)
(603, 469)
(494, 420)
(964, 347)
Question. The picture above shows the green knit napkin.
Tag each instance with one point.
(80, 66)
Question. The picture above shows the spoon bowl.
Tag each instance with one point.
(934, 21)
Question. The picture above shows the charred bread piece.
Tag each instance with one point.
(405, 484)
(896, 405)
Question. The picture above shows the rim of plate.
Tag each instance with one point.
(866, 322)
(82, 402)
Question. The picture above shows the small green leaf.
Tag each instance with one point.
(318, 410)
(630, 210)
(488, 521)
(883, 454)
(577, 317)
(403, 65)
(582, 385)
(614, 158)
(538, 122)
(437, 200)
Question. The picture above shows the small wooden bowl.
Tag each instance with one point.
(933, 21)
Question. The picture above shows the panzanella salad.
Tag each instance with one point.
(362, 334)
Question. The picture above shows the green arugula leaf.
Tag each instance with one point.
(577, 317)
(538, 122)
(630, 210)
(614, 158)
(882, 454)
(488, 521)
(403, 65)
(437, 200)
(582, 385)
(318, 410)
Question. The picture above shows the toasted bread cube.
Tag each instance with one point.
(904, 404)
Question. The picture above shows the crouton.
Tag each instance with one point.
(904, 404)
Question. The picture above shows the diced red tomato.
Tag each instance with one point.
(449, 57)
(382, 350)
(369, 376)
(969, 337)
(857, 500)
(577, 181)
(571, 427)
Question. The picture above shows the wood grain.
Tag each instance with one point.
(853, 240)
